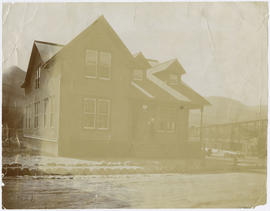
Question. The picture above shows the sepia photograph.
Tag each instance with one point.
(134, 105)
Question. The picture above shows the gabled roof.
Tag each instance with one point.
(177, 95)
(153, 62)
(146, 89)
(141, 61)
(107, 29)
(165, 65)
(47, 49)
(193, 95)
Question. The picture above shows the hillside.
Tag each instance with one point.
(225, 110)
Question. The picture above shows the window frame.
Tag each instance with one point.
(166, 120)
(37, 77)
(36, 114)
(109, 66)
(89, 113)
(87, 65)
(52, 112)
(137, 78)
(173, 81)
(108, 114)
(46, 112)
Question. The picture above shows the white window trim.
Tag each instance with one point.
(36, 115)
(108, 120)
(47, 114)
(97, 100)
(97, 65)
(96, 72)
(110, 67)
(52, 120)
(90, 99)
(137, 78)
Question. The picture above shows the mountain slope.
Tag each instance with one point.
(226, 110)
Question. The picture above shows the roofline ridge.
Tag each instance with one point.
(48, 43)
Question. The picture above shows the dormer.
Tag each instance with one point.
(170, 72)
(141, 61)
(138, 74)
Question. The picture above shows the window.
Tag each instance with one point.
(45, 112)
(173, 79)
(98, 64)
(91, 63)
(166, 120)
(96, 113)
(37, 80)
(104, 66)
(52, 110)
(36, 114)
(138, 75)
(27, 116)
(89, 113)
(103, 114)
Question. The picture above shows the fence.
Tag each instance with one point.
(249, 137)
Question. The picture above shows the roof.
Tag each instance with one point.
(152, 87)
(141, 61)
(47, 49)
(165, 65)
(147, 89)
(193, 95)
(177, 95)
(153, 62)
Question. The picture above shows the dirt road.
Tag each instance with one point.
(136, 191)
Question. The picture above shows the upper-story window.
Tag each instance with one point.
(138, 75)
(91, 63)
(98, 64)
(104, 66)
(173, 79)
(37, 79)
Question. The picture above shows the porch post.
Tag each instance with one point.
(201, 130)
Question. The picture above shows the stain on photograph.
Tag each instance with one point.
(134, 105)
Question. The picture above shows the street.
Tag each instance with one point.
(222, 190)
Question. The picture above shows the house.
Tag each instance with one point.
(93, 98)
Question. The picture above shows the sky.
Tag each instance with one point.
(222, 46)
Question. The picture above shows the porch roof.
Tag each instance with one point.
(147, 90)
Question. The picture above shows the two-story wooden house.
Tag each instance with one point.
(93, 98)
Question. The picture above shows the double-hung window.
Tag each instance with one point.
(166, 120)
(173, 79)
(97, 64)
(89, 113)
(138, 75)
(36, 114)
(52, 111)
(45, 112)
(37, 79)
(91, 61)
(104, 66)
(103, 110)
(96, 113)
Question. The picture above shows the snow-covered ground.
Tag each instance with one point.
(136, 191)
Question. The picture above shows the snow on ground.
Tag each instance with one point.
(226, 190)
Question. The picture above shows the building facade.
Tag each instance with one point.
(93, 98)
